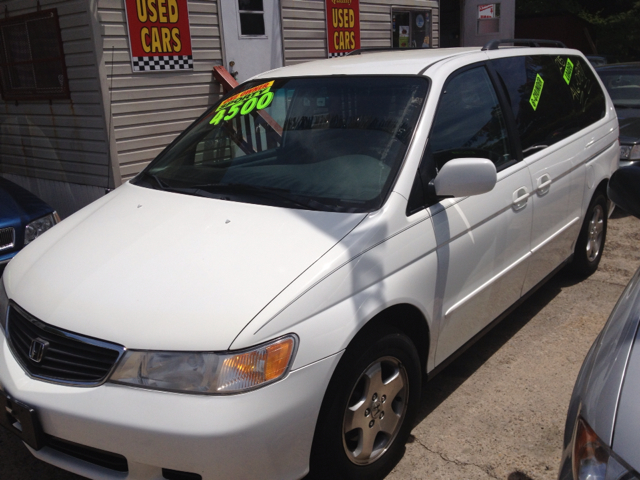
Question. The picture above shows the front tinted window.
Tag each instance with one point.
(551, 97)
(320, 143)
(469, 121)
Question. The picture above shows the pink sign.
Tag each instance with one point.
(487, 11)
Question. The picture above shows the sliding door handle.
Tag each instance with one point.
(544, 183)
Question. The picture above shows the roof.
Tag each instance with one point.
(395, 62)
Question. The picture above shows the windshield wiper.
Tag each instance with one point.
(281, 193)
(155, 178)
(212, 189)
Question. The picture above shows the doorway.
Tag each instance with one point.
(411, 28)
(450, 21)
(252, 36)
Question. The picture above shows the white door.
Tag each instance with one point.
(483, 241)
(252, 36)
(546, 116)
(556, 203)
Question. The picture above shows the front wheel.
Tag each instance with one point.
(368, 409)
(593, 234)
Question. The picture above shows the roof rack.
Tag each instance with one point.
(532, 42)
(360, 51)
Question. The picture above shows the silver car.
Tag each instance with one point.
(602, 433)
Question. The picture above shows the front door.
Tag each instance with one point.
(483, 241)
(252, 36)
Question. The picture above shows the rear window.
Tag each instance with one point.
(551, 96)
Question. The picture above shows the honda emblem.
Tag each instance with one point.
(38, 349)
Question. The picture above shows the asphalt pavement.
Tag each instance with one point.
(498, 411)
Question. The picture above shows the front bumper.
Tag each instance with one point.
(626, 163)
(265, 433)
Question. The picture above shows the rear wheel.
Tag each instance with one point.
(368, 410)
(592, 237)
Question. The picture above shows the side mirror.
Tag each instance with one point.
(624, 189)
(462, 177)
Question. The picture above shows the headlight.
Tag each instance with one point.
(207, 373)
(36, 228)
(4, 306)
(628, 152)
(593, 460)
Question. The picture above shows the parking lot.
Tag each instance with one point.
(498, 411)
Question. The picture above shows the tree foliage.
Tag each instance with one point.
(614, 24)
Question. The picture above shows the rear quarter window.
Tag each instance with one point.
(551, 97)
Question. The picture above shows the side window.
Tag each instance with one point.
(469, 121)
(32, 62)
(552, 97)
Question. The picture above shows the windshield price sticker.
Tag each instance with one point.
(537, 91)
(244, 103)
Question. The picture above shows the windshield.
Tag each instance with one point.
(623, 88)
(321, 143)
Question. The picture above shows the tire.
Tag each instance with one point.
(591, 240)
(368, 409)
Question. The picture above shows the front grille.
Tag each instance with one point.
(102, 458)
(178, 475)
(65, 357)
(7, 238)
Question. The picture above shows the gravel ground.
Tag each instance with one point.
(498, 411)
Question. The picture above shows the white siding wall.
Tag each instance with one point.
(375, 24)
(62, 140)
(149, 109)
(305, 32)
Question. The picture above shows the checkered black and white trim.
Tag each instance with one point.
(173, 62)
(338, 54)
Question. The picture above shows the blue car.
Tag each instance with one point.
(23, 217)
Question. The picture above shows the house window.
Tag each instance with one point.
(488, 18)
(32, 63)
(411, 28)
(251, 17)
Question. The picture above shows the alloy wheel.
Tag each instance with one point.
(595, 233)
(375, 411)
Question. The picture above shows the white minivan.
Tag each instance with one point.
(266, 297)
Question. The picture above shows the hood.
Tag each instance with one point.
(629, 130)
(19, 205)
(157, 270)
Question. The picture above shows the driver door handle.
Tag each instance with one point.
(520, 198)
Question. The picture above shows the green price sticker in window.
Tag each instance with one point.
(244, 103)
(537, 92)
(568, 71)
